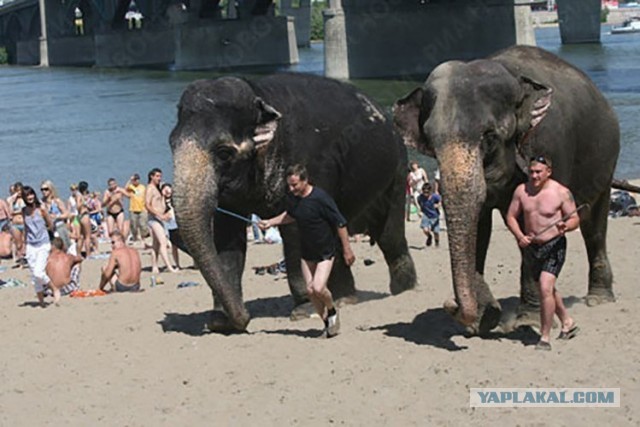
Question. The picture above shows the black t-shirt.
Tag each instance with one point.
(318, 219)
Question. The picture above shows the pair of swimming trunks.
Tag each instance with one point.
(127, 288)
(549, 256)
(74, 283)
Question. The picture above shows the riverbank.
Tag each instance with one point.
(543, 19)
(145, 359)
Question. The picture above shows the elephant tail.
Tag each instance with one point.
(619, 184)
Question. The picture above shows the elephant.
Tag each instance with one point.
(233, 140)
(483, 120)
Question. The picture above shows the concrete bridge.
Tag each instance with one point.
(188, 34)
(363, 38)
(383, 38)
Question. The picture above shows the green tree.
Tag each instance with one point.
(4, 58)
(317, 21)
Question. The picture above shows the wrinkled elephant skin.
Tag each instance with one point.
(231, 146)
(483, 120)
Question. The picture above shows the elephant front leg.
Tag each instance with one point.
(528, 313)
(230, 238)
(594, 232)
(489, 310)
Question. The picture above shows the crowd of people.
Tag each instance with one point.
(52, 236)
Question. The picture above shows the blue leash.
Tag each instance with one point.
(235, 215)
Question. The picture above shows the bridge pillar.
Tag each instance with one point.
(408, 38)
(336, 58)
(524, 25)
(44, 48)
(257, 41)
(302, 15)
(579, 21)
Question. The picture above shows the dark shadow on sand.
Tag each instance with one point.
(364, 296)
(193, 324)
(270, 307)
(33, 304)
(434, 327)
(309, 333)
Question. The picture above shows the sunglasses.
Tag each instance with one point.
(539, 159)
(44, 189)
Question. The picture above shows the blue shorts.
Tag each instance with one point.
(432, 224)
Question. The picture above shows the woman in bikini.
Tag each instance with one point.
(112, 201)
(83, 201)
(73, 219)
(17, 220)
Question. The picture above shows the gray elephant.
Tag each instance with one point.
(483, 120)
(231, 145)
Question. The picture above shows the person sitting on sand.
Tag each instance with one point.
(63, 270)
(127, 262)
(6, 242)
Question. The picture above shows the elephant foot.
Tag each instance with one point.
(302, 311)
(219, 322)
(403, 275)
(488, 317)
(598, 297)
(528, 316)
(346, 300)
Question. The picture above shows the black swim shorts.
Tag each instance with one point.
(549, 256)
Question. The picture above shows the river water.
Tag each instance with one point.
(71, 124)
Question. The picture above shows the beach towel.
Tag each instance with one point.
(99, 256)
(12, 283)
(80, 293)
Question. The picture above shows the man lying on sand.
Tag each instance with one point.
(63, 270)
(127, 262)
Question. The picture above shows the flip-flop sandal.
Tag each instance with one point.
(570, 333)
(543, 345)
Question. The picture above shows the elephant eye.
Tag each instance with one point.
(489, 139)
(224, 152)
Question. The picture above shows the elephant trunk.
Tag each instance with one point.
(463, 192)
(195, 200)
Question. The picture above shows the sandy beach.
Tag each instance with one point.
(146, 359)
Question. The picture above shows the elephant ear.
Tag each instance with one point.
(267, 123)
(406, 117)
(532, 110)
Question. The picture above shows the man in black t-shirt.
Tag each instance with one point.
(320, 224)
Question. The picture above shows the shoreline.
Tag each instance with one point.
(545, 19)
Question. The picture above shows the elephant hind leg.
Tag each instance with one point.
(594, 232)
(341, 282)
(390, 236)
